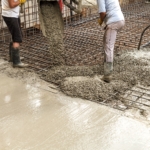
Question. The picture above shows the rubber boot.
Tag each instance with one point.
(16, 59)
(108, 69)
(10, 51)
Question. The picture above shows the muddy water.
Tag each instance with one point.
(35, 119)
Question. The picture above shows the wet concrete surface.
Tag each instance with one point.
(35, 119)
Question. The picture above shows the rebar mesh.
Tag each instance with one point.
(83, 39)
(137, 97)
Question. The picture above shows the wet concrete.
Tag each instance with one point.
(131, 68)
(53, 27)
(35, 119)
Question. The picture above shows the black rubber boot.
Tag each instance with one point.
(108, 69)
(16, 59)
(10, 51)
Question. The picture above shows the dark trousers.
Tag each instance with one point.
(14, 27)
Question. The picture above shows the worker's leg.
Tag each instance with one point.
(109, 42)
(13, 25)
(110, 39)
(10, 47)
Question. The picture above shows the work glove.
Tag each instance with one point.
(22, 1)
(100, 22)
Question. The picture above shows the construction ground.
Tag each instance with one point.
(70, 107)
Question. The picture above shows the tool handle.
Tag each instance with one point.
(22, 8)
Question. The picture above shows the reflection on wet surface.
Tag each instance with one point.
(34, 119)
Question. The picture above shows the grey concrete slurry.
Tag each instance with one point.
(34, 119)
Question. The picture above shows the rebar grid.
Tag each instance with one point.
(138, 98)
(83, 39)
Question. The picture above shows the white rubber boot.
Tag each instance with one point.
(108, 69)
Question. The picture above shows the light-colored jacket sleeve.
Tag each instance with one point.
(101, 6)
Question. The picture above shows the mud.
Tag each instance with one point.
(130, 69)
(52, 27)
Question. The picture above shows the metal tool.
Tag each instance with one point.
(22, 8)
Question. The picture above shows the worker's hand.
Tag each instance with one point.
(22, 1)
(100, 22)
